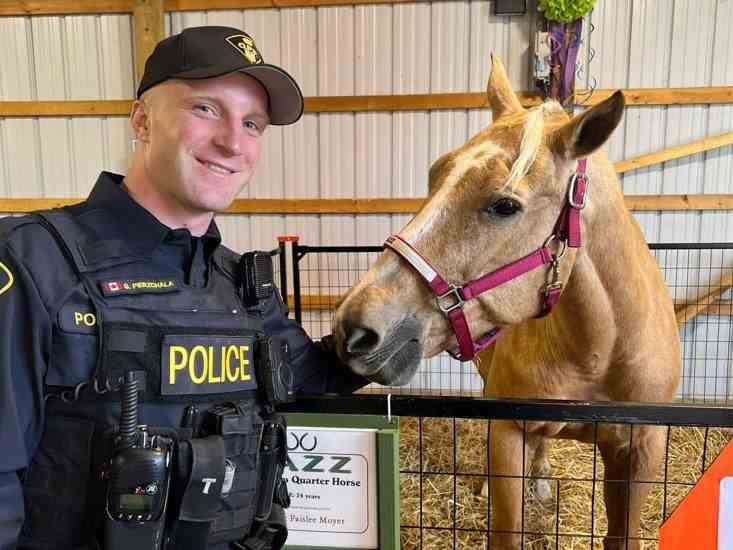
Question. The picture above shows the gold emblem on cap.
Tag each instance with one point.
(246, 46)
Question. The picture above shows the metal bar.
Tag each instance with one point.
(520, 409)
(689, 246)
(282, 254)
(305, 249)
(296, 282)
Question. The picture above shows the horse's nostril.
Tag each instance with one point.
(361, 340)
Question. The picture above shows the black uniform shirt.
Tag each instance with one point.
(35, 279)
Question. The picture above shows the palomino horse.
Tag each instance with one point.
(507, 233)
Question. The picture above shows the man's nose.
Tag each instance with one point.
(229, 140)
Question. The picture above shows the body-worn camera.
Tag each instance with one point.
(138, 481)
(274, 375)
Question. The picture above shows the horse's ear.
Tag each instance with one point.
(588, 131)
(502, 98)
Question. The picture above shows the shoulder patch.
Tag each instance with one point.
(6, 278)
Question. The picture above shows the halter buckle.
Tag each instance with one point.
(457, 300)
(571, 191)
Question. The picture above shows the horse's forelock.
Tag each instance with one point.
(532, 133)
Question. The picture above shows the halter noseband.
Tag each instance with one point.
(450, 299)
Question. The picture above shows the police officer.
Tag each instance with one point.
(135, 280)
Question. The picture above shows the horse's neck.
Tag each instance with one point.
(608, 291)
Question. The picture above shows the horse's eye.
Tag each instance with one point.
(503, 207)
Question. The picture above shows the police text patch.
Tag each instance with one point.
(78, 319)
(202, 364)
(138, 286)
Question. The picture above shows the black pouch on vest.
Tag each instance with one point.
(239, 425)
(200, 501)
(274, 375)
(55, 509)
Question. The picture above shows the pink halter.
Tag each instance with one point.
(450, 298)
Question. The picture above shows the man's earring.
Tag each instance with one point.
(134, 143)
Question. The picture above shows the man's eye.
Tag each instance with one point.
(503, 207)
(204, 108)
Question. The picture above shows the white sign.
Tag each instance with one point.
(331, 477)
(725, 516)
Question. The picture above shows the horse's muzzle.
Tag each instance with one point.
(389, 359)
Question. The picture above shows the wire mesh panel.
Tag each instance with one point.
(557, 494)
(699, 277)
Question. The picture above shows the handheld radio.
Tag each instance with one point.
(138, 481)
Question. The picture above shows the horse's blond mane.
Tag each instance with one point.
(531, 139)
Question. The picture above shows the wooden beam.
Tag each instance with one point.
(383, 206)
(315, 302)
(382, 103)
(201, 5)
(64, 7)
(675, 152)
(81, 7)
(326, 206)
(663, 96)
(700, 303)
(719, 307)
(723, 308)
(642, 203)
(408, 102)
(19, 206)
(149, 30)
(477, 100)
(27, 109)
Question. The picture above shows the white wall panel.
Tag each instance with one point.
(21, 153)
(16, 55)
(448, 43)
(411, 68)
(411, 156)
(49, 58)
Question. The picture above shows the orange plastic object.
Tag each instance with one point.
(694, 523)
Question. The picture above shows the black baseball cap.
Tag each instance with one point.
(207, 52)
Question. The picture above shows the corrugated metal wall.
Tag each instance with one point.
(381, 49)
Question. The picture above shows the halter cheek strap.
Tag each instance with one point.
(450, 299)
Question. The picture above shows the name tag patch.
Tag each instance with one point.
(138, 286)
(203, 364)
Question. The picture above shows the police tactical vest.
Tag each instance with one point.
(188, 347)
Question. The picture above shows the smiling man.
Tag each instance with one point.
(134, 285)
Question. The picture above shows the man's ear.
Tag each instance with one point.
(140, 120)
(588, 131)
